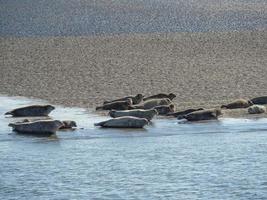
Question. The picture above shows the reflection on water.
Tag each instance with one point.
(223, 159)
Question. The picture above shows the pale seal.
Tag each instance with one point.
(31, 111)
(170, 96)
(37, 127)
(140, 113)
(124, 122)
(256, 109)
(209, 114)
(239, 103)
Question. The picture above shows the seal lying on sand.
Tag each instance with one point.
(209, 114)
(117, 105)
(31, 111)
(150, 104)
(180, 114)
(37, 127)
(165, 109)
(135, 99)
(140, 113)
(68, 124)
(239, 103)
(256, 109)
(170, 96)
(259, 100)
(124, 122)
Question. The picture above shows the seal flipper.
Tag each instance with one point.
(99, 108)
(100, 123)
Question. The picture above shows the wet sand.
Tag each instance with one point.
(203, 69)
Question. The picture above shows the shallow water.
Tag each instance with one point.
(94, 17)
(167, 160)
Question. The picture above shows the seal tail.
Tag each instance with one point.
(11, 125)
(99, 124)
(224, 106)
(8, 113)
(112, 113)
(99, 108)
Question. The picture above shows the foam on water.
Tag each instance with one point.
(223, 159)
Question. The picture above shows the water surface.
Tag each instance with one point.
(93, 17)
(167, 160)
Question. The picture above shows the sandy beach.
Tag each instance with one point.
(203, 69)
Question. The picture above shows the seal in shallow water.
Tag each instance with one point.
(68, 124)
(124, 122)
(170, 96)
(140, 113)
(135, 99)
(31, 111)
(117, 105)
(37, 127)
(150, 104)
(239, 103)
(209, 114)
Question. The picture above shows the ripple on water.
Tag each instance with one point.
(223, 159)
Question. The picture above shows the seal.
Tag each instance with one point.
(135, 99)
(31, 111)
(68, 124)
(180, 114)
(239, 103)
(37, 127)
(150, 104)
(140, 113)
(209, 114)
(117, 105)
(256, 109)
(124, 122)
(170, 96)
(165, 109)
(259, 100)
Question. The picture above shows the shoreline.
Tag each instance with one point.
(227, 113)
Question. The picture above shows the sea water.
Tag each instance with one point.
(225, 159)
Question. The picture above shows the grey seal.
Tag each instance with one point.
(256, 109)
(37, 127)
(170, 96)
(117, 105)
(135, 99)
(140, 113)
(239, 103)
(31, 111)
(165, 109)
(180, 114)
(209, 114)
(124, 122)
(150, 104)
